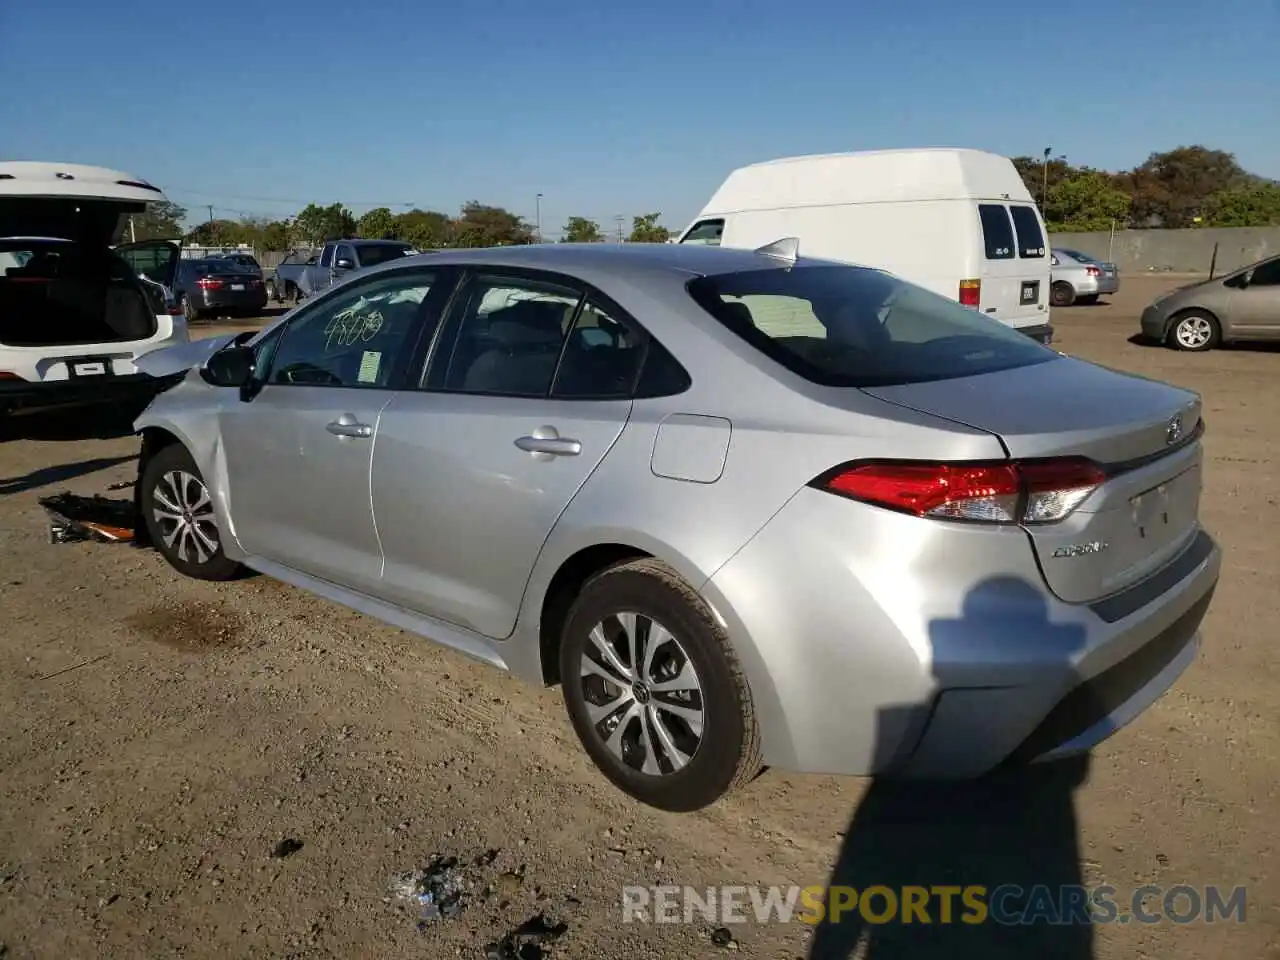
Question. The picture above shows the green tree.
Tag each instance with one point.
(275, 235)
(1250, 205)
(483, 226)
(1172, 188)
(646, 229)
(378, 224)
(161, 220)
(1087, 200)
(216, 233)
(316, 224)
(425, 229)
(582, 230)
(1032, 171)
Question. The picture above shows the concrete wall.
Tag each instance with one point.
(1176, 251)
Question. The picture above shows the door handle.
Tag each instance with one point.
(348, 426)
(547, 440)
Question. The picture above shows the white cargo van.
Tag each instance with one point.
(958, 222)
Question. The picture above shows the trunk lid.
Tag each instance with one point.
(69, 201)
(1145, 433)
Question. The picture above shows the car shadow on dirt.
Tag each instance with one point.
(1243, 346)
(993, 863)
(70, 425)
(48, 476)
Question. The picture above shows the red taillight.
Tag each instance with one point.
(1093, 271)
(1037, 491)
(8, 375)
(970, 292)
(208, 283)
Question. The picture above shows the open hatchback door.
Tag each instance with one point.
(75, 314)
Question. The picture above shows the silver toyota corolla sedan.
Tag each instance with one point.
(746, 508)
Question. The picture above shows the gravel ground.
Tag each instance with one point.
(190, 769)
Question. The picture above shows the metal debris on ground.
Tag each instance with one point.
(437, 888)
(121, 485)
(74, 518)
(527, 941)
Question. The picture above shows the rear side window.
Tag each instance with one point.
(997, 232)
(1030, 237)
(856, 327)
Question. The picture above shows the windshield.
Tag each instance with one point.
(856, 327)
(382, 252)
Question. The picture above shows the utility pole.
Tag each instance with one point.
(538, 218)
(619, 218)
(1044, 189)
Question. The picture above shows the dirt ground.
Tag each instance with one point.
(242, 770)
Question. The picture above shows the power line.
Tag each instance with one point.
(253, 199)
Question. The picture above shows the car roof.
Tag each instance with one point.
(691, 260)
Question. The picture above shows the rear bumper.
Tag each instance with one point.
(1093, 286)
(871, 651)
(1041, 332)
(232, 299)
(21, 396)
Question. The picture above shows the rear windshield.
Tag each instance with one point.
(857, 327)
(1030, 237)
(1077, 255)
(205, 268)
(381, 253)
(997, 233)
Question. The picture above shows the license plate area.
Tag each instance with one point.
(88, 368)
(1030, 291)
(237, 286)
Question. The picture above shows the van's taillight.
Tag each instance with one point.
(208, 283)
(9, 375)
(970, 292)
(1031, 491)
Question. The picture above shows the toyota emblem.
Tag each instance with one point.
(1173, 432)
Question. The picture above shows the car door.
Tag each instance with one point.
(318, 276)
(298, 448)
(1015, 267)
(156, 264)
(471, 472)
(1253, 308)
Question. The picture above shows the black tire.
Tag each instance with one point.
(273, 295)
(1062, 294)
(188, 311)
(1088, 300)
(727, 755)
(160, 483)
(1194, 331)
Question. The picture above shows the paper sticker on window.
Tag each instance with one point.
(369, 364)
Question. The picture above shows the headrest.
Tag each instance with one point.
(528, 323)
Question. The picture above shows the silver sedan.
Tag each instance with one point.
(746, 508)
(1076, 277)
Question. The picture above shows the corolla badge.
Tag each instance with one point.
(1173, 432)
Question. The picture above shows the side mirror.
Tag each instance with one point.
(342, 263)
(230, 367)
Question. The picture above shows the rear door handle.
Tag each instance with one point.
(547, 440)
(348, 426)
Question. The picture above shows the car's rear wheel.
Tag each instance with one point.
(1062, 294)
(655, 691)
(1194, 331)
(178, 511)
(189, 311)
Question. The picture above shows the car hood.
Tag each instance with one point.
(172, 360)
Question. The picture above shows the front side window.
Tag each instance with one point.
(345, 253)
(857, 327)
(706, 232)
(509, 337)
(1030, 236)
(997, 232)
(356, 338)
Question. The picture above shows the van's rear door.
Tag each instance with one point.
(1015, 267)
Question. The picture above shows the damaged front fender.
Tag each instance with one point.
(182, 357)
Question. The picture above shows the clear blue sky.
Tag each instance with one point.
(610, 107)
